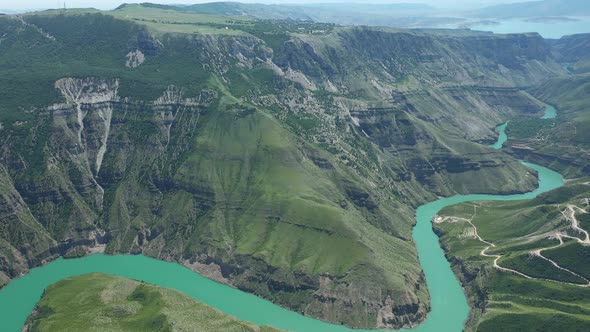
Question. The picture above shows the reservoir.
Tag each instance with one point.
(555, 29)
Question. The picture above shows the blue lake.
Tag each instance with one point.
(553, 30)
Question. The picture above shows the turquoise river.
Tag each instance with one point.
(449, 305)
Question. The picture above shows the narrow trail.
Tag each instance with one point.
(539, 253)
(569, 213)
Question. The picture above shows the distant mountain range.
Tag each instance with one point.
(537, 9)
(20, 11)
(298, 11)
(393, 15)
(7, 11)
(378, 14)
(401, 15)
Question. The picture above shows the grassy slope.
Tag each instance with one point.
(509, 302)
(96, 48)
(273, 206)
(161, 20)
(97, 302)
(112, 35)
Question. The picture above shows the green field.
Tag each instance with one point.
(97, 302)
(572, 256)
(537, 267)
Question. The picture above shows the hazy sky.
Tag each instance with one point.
(110, 4)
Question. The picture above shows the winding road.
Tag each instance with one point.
(569, 214)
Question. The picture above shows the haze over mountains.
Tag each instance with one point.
(403, 15)
(384, 13)
(110, 4)
(537, 8)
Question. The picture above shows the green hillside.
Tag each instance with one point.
(97, 302)
(546, 287)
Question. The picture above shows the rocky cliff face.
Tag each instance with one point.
(415, 76)
(573, 51)
(403, 60)
(64, 199)
(404, 131)
(288, 170)
(560, 143)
